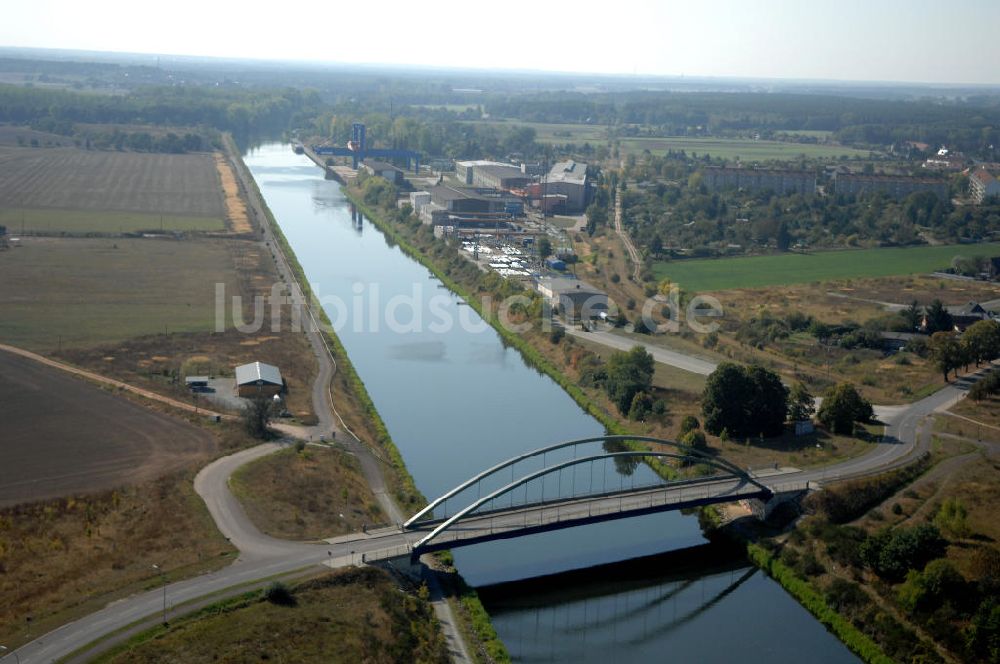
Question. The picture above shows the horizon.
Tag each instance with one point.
(892, 43)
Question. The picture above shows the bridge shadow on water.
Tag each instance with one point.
(680, 566)
(645, 607)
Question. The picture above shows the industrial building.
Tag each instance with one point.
(384, 170)
(500, 176)
(982, 185)
(577, 300)
(898, 187)
(257, 379)
(757, 179)
(569, 179)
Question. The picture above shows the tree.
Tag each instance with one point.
(842, 407)
(952, 518)
(912, 316)
(257, 415)
(544, 247)
(981, 341)
(746, 401)
(801, 404)
(938, 317)
(696, 439)
(782, 238)
(689, 423)
(927, 590)
(946, 352)
(656, 245)
(891, 553)
(628, 374)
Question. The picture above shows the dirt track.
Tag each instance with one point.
(60, 435)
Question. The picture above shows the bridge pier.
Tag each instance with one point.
(763, 509)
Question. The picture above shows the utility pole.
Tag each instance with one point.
(164, 577)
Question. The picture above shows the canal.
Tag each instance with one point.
(456, 401)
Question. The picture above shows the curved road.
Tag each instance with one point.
(262, 556)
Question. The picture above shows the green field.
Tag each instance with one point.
(82, 292)
(91, 221)
(755, 271)
(730, 148)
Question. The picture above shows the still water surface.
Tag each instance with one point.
(456, 401)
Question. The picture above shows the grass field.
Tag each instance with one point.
(728, 148)
(353, 615)
(755, 271)
(174, 185)
(19, 220)
(306, 495)
(745, 149)
(80, 292)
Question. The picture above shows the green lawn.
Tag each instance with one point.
(745, 149)
(90, 221)
(754, 271)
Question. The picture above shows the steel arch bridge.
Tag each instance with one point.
(473, 524)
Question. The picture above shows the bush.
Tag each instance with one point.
(847, 501)
(279, 594)
(892, 553)
(696, 439)
(689, 423)
(556, 335)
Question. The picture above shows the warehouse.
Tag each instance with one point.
(258, 378)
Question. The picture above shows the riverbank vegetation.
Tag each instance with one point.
(349, 615)
(907, 558)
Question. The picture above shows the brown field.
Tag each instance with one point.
(74, 179)
(236, 209)
(65, 558)
(63, 436)
(354, 615)
(318, 492)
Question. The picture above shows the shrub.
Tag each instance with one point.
(279, 594)
(689, 423)
(847, 501)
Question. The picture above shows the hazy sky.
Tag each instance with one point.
(887, 40)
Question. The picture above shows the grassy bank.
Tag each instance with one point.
(348, 615)
(812, 600)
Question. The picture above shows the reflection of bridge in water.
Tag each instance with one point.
(529, 503)
(625, 603)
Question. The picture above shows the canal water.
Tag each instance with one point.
(456, 401)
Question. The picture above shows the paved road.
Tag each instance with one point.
(263, 556)
(660, 354)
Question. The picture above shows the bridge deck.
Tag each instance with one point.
(555, 515)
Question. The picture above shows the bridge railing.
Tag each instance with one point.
(687, 453)
(469, 512)
(540, 517)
